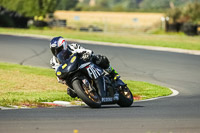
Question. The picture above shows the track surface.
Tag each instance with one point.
(170, 115)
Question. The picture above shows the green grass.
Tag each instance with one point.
(143, 90)
(163, 40)
(26, 85)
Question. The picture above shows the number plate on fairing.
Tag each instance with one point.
(106, 99)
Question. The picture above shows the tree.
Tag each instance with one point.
(192, 10)
(131, 4)
(67, 4)
(128, 5)
(154, 4)
(190, 13)
(174, 14)
(30, 8)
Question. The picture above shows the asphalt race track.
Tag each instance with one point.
(179, 114)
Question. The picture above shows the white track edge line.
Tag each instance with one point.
(174, 93)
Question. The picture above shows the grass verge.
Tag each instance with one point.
(29, 86)
(164, 40)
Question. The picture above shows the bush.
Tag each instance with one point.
(6, 21)
(189, 29)
(190, 13)
(174, 14)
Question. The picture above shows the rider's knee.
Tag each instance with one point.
(102, 61)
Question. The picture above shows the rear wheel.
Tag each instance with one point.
(125, 97)
(87, 94)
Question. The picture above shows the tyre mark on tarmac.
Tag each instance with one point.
(35, 55)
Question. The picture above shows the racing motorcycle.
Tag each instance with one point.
(92, 84)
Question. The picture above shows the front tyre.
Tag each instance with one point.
(91, 98)
(125, 97)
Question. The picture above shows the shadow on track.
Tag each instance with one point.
(112, 107)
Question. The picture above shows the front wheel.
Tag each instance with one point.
(87, 94)
(125, 97)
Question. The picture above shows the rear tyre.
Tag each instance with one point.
(125, 97)
(91, 98)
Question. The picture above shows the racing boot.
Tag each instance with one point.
(114, 75)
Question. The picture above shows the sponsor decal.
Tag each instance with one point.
(93, 72)
(60, 44)
(84, 65)
(64, 66)
(53, 45)
(73, 59)
(107, 99)
(58, 73)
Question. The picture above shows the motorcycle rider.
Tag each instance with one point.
(61, 51)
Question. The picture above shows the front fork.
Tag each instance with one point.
(101, 86)
(102, 90)
(99, 83)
